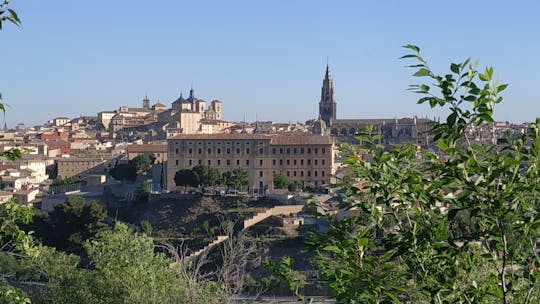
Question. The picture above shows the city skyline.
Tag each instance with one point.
(261, 60)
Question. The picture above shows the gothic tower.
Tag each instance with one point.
(327, 105)
(146, 103)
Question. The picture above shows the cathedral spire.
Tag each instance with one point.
(327, 104)
(191, 94)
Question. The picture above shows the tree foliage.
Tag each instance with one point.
(186, 177)
(238, 178)
(73, 222)
(400, 241)
(207, 176)
(281, 181)
(124, 172)
(144, 161)
(142, 191)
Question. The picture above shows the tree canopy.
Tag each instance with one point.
(124, 172)
(186, 177)
(281, 181)
(143, 162)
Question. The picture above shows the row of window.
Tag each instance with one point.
(297, 150)
(261, 162)
(295, 162)
(298, 173)
(219, 143)
(261, 151)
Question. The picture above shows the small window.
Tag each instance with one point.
(228, 162)
(322, 173)
(200, 151)
(309, 173)
(190, 162)
(190, 151)
(273, 150)
(209, 162)
(288, 150)
(323, 150)
(176, 162)
(281, 162)
(247, 151)
(308, 150)
(315, 162)
(294, 173)
(294, 162)
(322, 161)
(273, 162)
(238, 162)
(200, 162)
(294, 150)
(218, 151)
(247, 162)
(237, 150)
(316, 150)
(301, 162)
(288, 162)
(219, 162)
(280, 150)
(309, 162)
(209, 151)
(228, 150)
(302, 173)
(315, 173)
(260, 162)
(288, 173)
(260, 174)
(301, 150)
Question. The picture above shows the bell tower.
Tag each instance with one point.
(327, 105)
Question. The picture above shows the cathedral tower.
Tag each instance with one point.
(327, 105)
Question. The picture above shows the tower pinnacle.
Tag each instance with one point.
(327, 105)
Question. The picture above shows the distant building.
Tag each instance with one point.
(159, 150)
(74, 166)
(395, 131)
(308, 159)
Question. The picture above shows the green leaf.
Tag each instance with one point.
(333, 249)
(422, 72)
(363, 242)
(412, 47)
(454, 68)
(408, 56)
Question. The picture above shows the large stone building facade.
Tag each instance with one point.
(395, 131)
(308, 159)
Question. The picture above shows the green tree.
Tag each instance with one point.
(123, 172)
(240, 178)
(400, 241)
(186, 177)
(281, 181)
(206, 175)
(295, 186)
(141, 192)
(144, 161)
(73, 222)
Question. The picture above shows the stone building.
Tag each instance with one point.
(308, 159)
(395, 131)
(159, 150)
(73, 166)
(191, 115)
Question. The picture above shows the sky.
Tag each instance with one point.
(262, 59)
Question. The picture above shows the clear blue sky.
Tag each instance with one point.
(259, 57)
